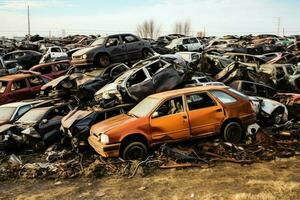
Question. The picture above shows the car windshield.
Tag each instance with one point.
(143, 108)
(3, 85)
(99, 41)
(6, 113)
(33, 115)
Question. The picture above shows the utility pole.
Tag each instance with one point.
(278, 26)
(28, 20)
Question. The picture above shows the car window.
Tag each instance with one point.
(279, 73)
(223, 97)
(55, 49)
(198, 101)
(20, 84)
(238, 93)
(170, 107)
(3, 85)
(59, 111)
(61, 66)
(185, 41)
(138, 77)
(35, 81)
(129, 38)
(23, 109)
(113, 41)
(45, 69)
(248, 87)
(154, 67)
(289, 70)
(193, 40)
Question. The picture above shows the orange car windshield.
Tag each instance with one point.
(143, 108)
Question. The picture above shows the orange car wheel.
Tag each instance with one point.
(232, 132)
(135, 151)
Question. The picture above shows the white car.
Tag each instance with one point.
(187, 43)
(53, 52)
(274, 111)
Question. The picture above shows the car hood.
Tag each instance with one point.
(74, 116)
(114, 122)
(6, 127)
(85, 50)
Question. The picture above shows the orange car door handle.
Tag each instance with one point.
(184, 117)
(219, 110)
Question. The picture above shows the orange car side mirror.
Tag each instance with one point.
(155, 114)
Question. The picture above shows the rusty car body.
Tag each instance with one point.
(172, 116)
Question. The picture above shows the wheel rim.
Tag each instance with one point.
(104, 60)
(135, 153)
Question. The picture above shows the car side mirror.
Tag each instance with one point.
(44, 121)
(155, 114)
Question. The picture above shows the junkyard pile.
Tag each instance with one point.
(63, 86)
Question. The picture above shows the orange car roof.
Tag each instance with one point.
(177, 92)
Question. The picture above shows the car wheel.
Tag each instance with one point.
(277, 115)
(104, 60)
(135, 151)
(145, 53)
(232, 132)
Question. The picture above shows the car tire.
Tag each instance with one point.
(277, 115)
(104, 60)
(232, 132)
(135, 151)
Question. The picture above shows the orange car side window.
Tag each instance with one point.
(198, 101)
(171, 107)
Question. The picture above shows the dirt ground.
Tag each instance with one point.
(278, 179)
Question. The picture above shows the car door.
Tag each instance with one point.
(186, 44)
(20, 90)
(169, 122)
(115, 48)
(204, 113)
(139, 85)
(133, 45)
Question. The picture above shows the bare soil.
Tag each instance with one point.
(277, 179)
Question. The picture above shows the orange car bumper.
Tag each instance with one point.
(105, 150)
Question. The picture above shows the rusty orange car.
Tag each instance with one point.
(173, 116)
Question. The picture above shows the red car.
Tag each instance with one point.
(20, 86)
(53, 69)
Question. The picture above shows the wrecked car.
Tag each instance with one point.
(52, 53)
(52, 69)
(38, 127)
(82, 83)
(292, 102)
(176, 115)
(269, 111)
(253, 89)
(201, 81)
(76, 125)
(156, 74)
(284, 76)
(20, 86)
(114, 48)
(13, 111)
(26, 58)
(186, 44)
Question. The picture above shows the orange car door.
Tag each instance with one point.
(170, 121)
(205, 114)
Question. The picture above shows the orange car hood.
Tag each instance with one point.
(111, 123)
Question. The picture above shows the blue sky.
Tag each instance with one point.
(217, 17)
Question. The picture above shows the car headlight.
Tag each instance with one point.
(84, 56)
(104, 138)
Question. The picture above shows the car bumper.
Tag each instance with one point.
(105, 150)
(78, 62)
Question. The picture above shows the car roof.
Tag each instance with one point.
(177, 92)
(15, 77)
(49, 64)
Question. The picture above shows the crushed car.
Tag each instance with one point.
(38, 127)
(149, 76)
(26, 58)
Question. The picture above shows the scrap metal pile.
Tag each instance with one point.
(52, 91)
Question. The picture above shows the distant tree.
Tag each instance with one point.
(183, 28)
(148, 29)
